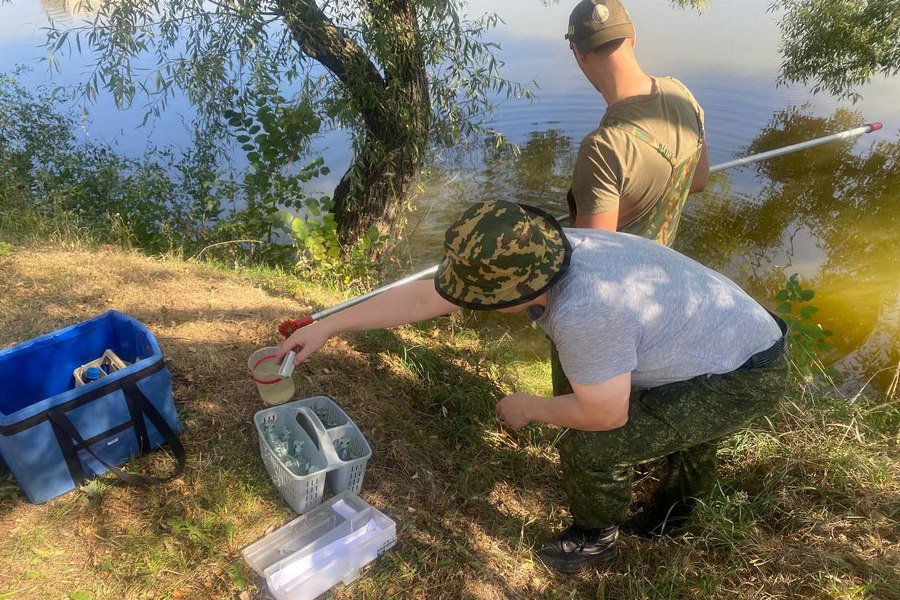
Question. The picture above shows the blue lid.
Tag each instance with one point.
(92, 373)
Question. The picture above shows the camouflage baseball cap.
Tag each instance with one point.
(596, 22)
(500, 254)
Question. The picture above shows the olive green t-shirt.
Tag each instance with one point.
(614, 167)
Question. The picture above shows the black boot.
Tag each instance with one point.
(661, 519)
(577, 549)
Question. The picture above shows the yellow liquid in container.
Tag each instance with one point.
(273, 388)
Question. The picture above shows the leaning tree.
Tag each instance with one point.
(401, 75)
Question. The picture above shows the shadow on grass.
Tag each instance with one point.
(468, 498)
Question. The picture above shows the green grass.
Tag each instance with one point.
(807, 506)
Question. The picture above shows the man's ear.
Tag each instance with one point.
(579, 57)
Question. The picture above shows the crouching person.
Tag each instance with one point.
(665, 357)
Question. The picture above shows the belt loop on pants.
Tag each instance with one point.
(773, 352)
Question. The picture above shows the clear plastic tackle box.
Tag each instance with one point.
(316, 551)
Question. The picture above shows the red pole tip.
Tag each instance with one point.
(875, 126)
(286, 328)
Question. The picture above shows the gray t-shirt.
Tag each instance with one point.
(628, 304)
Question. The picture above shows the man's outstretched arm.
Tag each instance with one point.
(410, 303)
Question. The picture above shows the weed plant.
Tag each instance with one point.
(55, 186)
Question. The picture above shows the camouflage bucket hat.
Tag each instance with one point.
(597, 22)
(501, 254)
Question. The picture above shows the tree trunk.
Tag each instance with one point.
(372, 191)
(394, 108)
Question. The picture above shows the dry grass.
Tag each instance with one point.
(808, 507)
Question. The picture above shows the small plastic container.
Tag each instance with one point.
(107, 364)
(349, 472)
(316, 551)
(274, 389)
(327, 411)
(338, 473)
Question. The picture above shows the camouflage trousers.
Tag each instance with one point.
(681, 422)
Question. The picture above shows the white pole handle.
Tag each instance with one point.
(795, 147)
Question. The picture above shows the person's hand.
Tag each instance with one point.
(304, 342)
(512, 410)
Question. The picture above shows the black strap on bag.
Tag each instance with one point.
(70, 441)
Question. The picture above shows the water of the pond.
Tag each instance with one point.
(831, 214)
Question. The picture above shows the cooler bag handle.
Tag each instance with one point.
(138, 406)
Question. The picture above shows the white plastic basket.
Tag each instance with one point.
(305, 492)
(302, 492)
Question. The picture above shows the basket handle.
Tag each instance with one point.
(321, 436)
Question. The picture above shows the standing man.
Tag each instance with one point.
(634, 172)
(664, 354)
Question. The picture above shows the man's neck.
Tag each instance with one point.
(621, 80)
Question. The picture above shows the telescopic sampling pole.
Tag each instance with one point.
(844, 135)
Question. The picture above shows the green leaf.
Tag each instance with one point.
(807, 295)
(808, 311)
(107, 565)
(299, 228)
(243, 139)
(236, 574)
(783, 308)
(286, 217)
(782, 296)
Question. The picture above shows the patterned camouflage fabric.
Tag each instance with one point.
(500, 254)
(686, 418)
(660, 223)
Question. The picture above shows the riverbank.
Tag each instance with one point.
(808, 503)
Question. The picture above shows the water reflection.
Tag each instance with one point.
(538, 173)
(67, 10)
(828, 213)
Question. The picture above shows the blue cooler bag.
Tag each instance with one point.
(54, 436)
